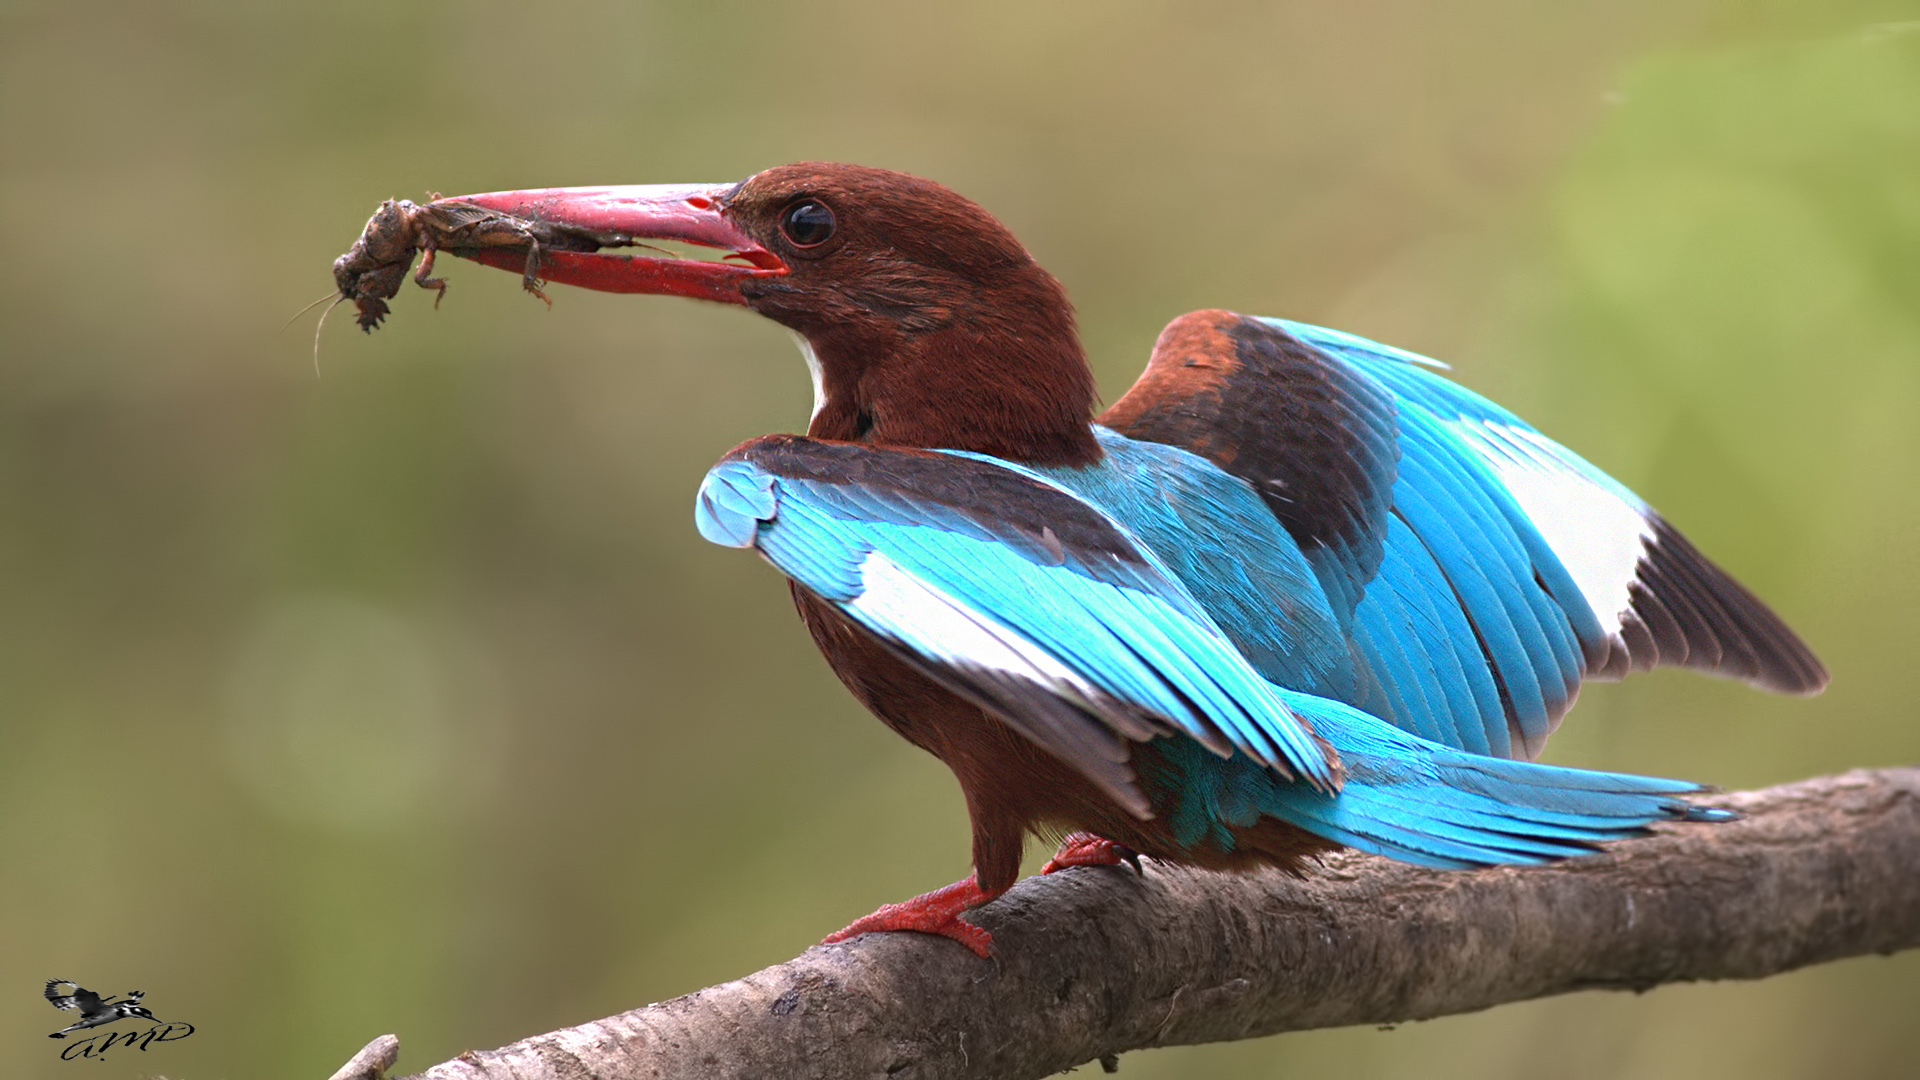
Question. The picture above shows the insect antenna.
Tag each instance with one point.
(304, 310)
(319, 326)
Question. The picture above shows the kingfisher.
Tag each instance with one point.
(1294, 591)
(94, 1009)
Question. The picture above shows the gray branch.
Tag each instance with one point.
(1098, 961)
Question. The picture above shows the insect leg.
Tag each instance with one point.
(531, 279)
(420, 278)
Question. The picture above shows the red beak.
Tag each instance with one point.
(575, 223)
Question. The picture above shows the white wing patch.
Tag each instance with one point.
(1597, 528)
(904, 607)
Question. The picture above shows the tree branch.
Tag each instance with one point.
(1094, 962)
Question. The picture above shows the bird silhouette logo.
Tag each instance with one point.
(94, 1010)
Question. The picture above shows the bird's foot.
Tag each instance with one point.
(937, 912)
(1086, 849)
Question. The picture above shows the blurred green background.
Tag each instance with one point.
(406, 698)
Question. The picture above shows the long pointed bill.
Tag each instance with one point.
(565, 231)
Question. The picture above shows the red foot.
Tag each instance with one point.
(1086, 849)
(937, 912)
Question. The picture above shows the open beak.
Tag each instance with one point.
(565, 230)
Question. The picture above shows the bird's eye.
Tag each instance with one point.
(807, 223)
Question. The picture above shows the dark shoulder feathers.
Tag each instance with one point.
(1313, 437)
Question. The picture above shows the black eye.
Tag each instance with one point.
(807, 223)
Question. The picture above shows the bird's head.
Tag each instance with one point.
(925, 322)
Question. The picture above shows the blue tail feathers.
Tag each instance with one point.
(1421, 802)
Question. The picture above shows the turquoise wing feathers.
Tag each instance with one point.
(1478, 571)
(1033, 601)
(1420, 802)
(1062, 625)
(1634, 592)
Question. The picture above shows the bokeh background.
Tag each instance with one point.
(405, 697)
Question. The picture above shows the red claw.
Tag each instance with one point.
(937, 912)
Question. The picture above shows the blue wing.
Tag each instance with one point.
(1635, 592)
(1032, 601)
(1420, 802)
(1478, 571)
(1013, 592)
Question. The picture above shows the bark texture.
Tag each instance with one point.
(1094, 962)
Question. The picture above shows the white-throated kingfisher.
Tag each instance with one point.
(1294, 590)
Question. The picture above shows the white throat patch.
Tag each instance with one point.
(813, 369)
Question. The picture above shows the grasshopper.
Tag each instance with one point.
(370, 272)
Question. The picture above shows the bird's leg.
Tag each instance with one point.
(937, 912)
(1086, 849)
